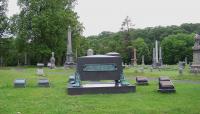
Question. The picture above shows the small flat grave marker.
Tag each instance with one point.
(141, 80)
(20, 83)
(43, 83)
(166, 85)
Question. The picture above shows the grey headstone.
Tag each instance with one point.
(20, 83)
(90, 52)
(43, 83)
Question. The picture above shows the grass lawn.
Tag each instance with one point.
(54, 100)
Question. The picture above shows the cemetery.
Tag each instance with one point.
(50, 63)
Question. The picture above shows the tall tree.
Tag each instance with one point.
(126, 27)
(177, 47)
(3, 27)
(43, 27)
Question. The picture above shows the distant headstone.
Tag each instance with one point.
(43, 83)
(186, 62)
(52, 61)
(180, 71)
(90, 52)
(40, 71)
(20, 83)
(143, 60)
(195, 67)
(142, 69)
(181, 64)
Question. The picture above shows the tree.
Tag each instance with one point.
(42, 28)
(142, 49)
(177, 47)
(125, 27)
(3, 27)
(3, 17)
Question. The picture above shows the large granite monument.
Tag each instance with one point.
(195, 67)
(96, 68)
(69, 57)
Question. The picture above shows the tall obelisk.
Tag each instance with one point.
(69, 58)
(156, 47)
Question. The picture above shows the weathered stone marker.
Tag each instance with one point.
(52, 61)
(20, 83)
(69, 58)
(157, 62)
(43, 83)
(195, 67)
(143, 60)
(135, 57)
(90, 52)
(40, 71)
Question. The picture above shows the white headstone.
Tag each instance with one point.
(90, 52)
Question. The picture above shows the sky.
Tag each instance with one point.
(108, 15)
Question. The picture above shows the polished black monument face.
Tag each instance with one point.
(99, 67)
(96, 68)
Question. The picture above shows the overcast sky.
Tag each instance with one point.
(107, 15)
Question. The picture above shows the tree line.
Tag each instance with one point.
(41, 28)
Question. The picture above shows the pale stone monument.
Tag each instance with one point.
(160, 56)
(157, 62)
(143, 60)
(186, 61)
(195, 67)
(90, 52)
(69, 58)
(134, 57)
(40, 71)
(52, 61)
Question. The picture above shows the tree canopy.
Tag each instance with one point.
(41, 28)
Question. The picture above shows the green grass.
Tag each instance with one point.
(54, 100)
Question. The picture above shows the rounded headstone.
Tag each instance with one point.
(90, 52)
(113, 54)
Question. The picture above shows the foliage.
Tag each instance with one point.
(42, 28)
(177, 47)
(3, 17)
(149, 35)
(142, 49)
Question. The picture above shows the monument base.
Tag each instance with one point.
(156, 65)
(195, 69)
(70, 65)
(167, 90)
(100, 89)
